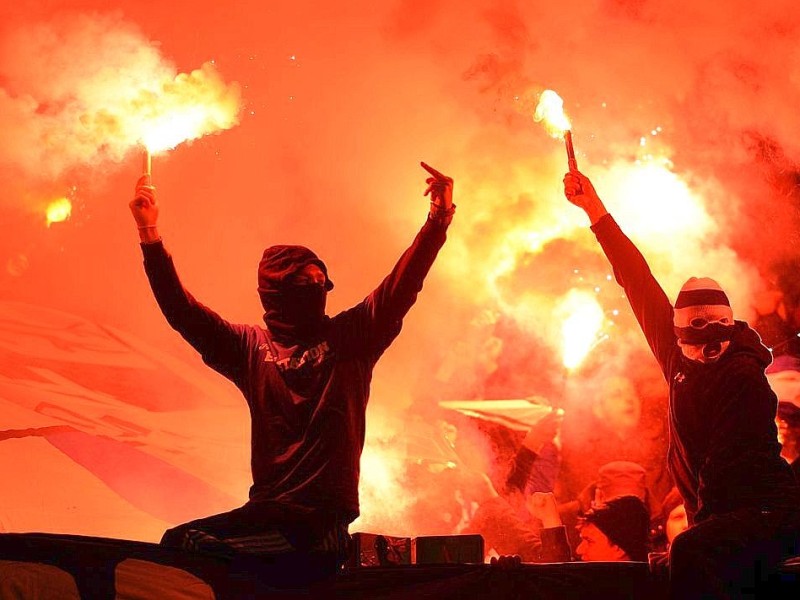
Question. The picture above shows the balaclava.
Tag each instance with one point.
(291, 310)
(703, 320)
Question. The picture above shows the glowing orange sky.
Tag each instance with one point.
(340, 103)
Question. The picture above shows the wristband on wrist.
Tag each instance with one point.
(147, 226)
(441, 214)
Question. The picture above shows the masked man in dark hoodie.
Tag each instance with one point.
(742, 499)
(306, 378)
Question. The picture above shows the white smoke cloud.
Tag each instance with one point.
(88, 88)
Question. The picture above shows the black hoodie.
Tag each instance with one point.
(724, 453)
(307, 398)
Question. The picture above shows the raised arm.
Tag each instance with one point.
(214, 338)
(650, 304)
(397, 293)
(384, 309)
(538, 459)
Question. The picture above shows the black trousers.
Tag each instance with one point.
(287, 546)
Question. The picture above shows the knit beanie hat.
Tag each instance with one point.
(626, 523)
(702, 312)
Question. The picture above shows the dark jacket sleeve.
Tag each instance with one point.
(555, 545)
(650, 304)
(379, 317)
(217, 341)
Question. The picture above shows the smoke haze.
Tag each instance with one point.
(683, 115)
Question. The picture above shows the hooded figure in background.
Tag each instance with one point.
(741, 498)
(306, 378)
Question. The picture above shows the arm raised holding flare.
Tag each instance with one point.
(741, 497)
(306, 378)
(145, 210)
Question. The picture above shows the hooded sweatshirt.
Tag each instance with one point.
(307, 397)
(723, 453)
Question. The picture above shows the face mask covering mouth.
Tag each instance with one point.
(713, 350)
(296, 311)
(704, 353)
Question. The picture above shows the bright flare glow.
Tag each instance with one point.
(381, 490)
(550, 112)
(658, 205)
(582, 319)
(58, 210)
(186, 108)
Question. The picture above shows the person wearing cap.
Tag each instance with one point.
(613, 480)
(742, 500)
(784, 377)
(306, 379)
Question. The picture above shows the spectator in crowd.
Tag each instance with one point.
(614, 479)
(617, 530)
(784, 377)
(671, 521)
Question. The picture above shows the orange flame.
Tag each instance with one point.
(550, 112)
(58, 211)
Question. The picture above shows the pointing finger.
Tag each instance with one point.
(433, 171)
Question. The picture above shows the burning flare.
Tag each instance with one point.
(58, 211)
(550, 112)
(120, 95)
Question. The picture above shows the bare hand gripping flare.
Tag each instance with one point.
(573, 164)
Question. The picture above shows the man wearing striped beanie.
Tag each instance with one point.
(741, 498)
(703, 320)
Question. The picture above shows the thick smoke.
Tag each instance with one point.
(89, 88)
(683, 116)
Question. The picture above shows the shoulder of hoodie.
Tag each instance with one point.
(747, 355)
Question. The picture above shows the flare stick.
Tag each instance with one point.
(147, 163)
(573, 164)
